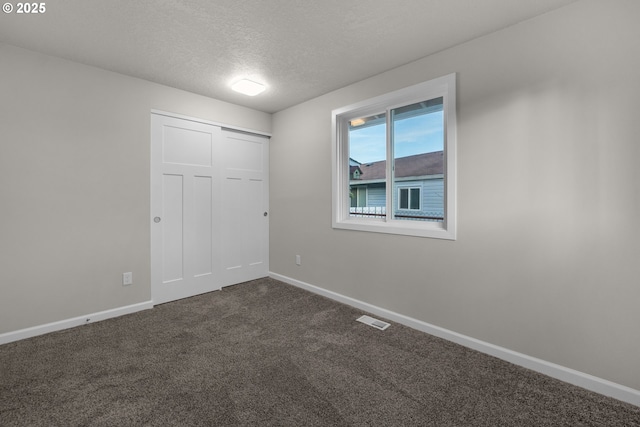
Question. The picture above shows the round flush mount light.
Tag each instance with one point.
(248, 87)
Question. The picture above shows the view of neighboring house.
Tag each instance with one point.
(418, 191)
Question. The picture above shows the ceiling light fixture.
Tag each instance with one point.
(248, 87)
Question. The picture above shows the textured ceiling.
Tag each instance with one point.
(299, 48)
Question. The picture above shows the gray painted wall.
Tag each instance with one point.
(546, 258)
(546, 261)
(74, 184)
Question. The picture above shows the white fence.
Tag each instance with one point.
(381, 212)
(368, 211)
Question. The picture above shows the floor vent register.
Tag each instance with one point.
(378, 324)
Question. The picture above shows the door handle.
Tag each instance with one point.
(157, 219)
(265, 214)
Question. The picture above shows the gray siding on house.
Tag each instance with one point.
(424, 171)
(376, 195)
(431, 196)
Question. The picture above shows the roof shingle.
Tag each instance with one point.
(416, 165)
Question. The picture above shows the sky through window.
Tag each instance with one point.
(414, 135)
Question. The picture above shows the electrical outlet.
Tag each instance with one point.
(298, 260)
(127, 279)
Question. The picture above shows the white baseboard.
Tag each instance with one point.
(571, 376)
(70, 323)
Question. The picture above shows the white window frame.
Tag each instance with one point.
(444, 87)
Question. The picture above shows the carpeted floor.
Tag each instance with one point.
(264, 353)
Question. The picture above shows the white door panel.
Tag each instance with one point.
(187, 146)
(203, 223)
(185, 187)
(255, 254)
(243, 153)
(172, 219)
(209, 197)
(245, 236)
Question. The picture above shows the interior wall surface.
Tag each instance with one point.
(546, 258)
(75, 184)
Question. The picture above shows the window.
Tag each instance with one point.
(398, 148)
(358, 197)
(409, 198)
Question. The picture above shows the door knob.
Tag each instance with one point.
(157, 219)
(265, 214)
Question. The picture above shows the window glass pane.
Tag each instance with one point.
(362, 197)
(353, 197)
(415, 199)
(417, 138)
(367, 164)
(404, 198)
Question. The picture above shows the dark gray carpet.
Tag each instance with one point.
(264, 353)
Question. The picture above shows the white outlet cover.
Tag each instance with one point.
(127, 279)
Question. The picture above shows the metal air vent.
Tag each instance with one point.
(378, 324)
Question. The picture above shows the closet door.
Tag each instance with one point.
(209, 207)
(185, 199)
(245, 206)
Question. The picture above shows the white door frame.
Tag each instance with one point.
(209, 122)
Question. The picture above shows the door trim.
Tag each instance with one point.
(208, 122)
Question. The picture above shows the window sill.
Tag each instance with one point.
(434, 230)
